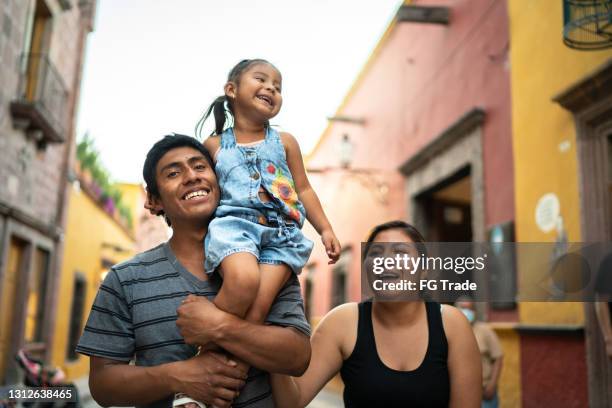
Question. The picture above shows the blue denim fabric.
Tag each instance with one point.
(279, 242)
(242, 170)
(492, 403)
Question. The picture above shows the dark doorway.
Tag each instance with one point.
(447, 209)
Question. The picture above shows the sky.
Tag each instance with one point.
(153, 66)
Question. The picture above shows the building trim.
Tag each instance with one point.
(590, 89)
(49, 230)
(590, 101)
(550, 330)
(33, 238)
(86, 189)
(462, 126)
(452, 152)
(423, 14)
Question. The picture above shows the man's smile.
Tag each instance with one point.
(194, 194)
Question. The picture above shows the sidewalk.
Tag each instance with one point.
(84, 394)
(325, 399)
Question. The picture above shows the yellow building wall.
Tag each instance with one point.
(88, 228)
(509, 384)
(133, 197)
(544, 136)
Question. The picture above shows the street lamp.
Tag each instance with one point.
(368, 178)
(346, 152)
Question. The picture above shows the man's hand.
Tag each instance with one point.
(212, 378)
(198, 319)
(489, 391)
(332, 245)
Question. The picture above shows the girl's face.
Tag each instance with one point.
(258, 91)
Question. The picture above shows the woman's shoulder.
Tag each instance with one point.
(344, 310)
(347, 312)
(339, 326)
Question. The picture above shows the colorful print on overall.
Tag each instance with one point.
(284, 189)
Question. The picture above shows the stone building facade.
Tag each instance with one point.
(42, 45)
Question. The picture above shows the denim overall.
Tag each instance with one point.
(243, 223)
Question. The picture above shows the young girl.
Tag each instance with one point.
(255, 236)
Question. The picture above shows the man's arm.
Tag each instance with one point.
(274, 349)
(209, 377)
(489, 390)
(497, 355)
(108, 339)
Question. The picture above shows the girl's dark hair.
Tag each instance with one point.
(406, 228)
(218, 108)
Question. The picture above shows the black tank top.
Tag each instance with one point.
(368, 382)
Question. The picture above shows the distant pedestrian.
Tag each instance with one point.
(491, 354)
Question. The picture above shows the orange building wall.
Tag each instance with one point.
(420, 79)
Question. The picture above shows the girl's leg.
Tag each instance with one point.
(239, 289)
(272, 279)
(241, 280)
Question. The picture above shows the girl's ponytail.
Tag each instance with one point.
(217, 109)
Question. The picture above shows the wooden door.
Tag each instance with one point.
(14, 269)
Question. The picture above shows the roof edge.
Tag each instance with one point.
(364, 70)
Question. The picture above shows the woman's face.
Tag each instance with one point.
(396, 248)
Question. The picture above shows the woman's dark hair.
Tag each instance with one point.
(218, 108)
(406, 228)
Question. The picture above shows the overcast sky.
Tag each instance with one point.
(153, 66)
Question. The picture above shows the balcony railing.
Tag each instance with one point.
(42, 100)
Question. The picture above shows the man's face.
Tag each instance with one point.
(187, 185)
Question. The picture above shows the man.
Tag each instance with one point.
(491, 354)
(134, 316)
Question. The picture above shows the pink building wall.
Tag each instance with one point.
(419, 81)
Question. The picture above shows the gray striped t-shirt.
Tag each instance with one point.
(134, 317)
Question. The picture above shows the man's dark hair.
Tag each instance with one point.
(162, 147)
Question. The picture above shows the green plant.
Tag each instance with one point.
(89, 158)
(126, 214)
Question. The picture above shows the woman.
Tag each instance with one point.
(391, 353)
